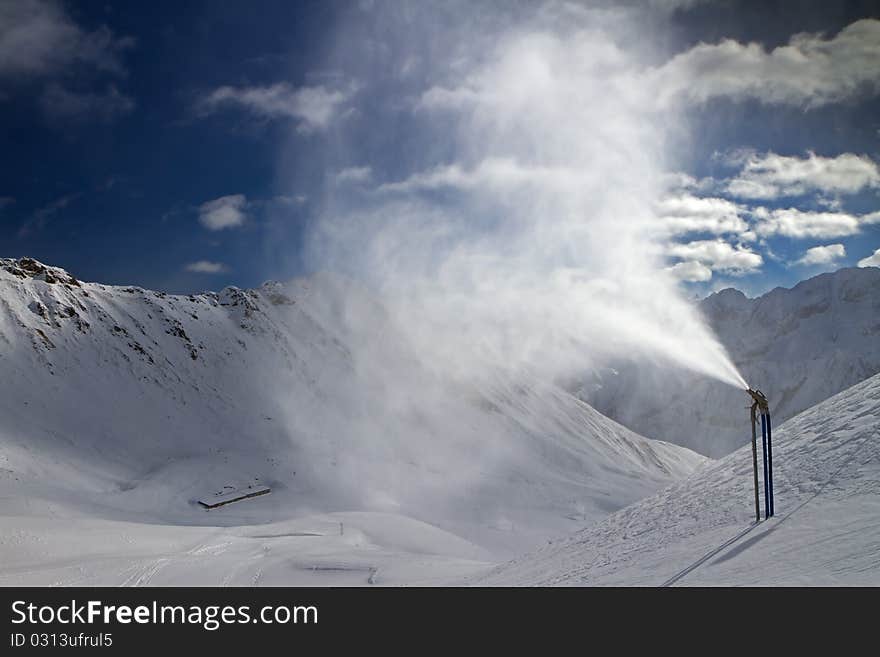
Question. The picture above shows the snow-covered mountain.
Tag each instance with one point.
(702, 530)
(798, 345)
(119, 407)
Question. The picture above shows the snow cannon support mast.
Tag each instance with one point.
(760, 405)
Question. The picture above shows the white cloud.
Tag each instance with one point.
(207, 267)
(223, 212)
(718, 255)
(795, 223)
(312, 108)
(871, 218)
(38, 38)
(871, 261)
(354, 175)
(690, 271)
(685, 213)
(810, 70)
(61, 103)
(822, 255)
(771, 176)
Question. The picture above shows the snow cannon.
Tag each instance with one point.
(761, 406)
(760, 399)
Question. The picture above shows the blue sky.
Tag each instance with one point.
(187, 146)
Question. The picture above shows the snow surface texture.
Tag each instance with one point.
(121, 407)
(702, 530)
(799, 346)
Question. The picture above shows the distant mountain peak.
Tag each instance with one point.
(800, 345)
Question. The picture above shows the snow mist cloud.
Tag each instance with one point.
(530, 244)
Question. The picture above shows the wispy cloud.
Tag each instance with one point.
(39, 41)
(39, 38)
(61, 103)
(40, 218)
(223, 212)
(354, 175)
(285, 200)
(312, 108)
(679, 182)
(206, 267)
(676, 5)
(495, 173)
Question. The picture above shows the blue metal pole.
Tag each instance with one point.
(755, 463)
(770, 463)
(764, 453)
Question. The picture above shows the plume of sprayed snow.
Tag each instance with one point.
(530, 246)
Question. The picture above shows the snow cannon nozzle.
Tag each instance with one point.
(760, 399)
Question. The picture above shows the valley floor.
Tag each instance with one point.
(339, 549)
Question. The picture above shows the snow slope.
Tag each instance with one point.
(701, 531)
(798, 345)
(120, 407)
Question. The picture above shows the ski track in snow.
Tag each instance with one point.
(701, 531)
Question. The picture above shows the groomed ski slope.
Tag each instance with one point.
(701, 531)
